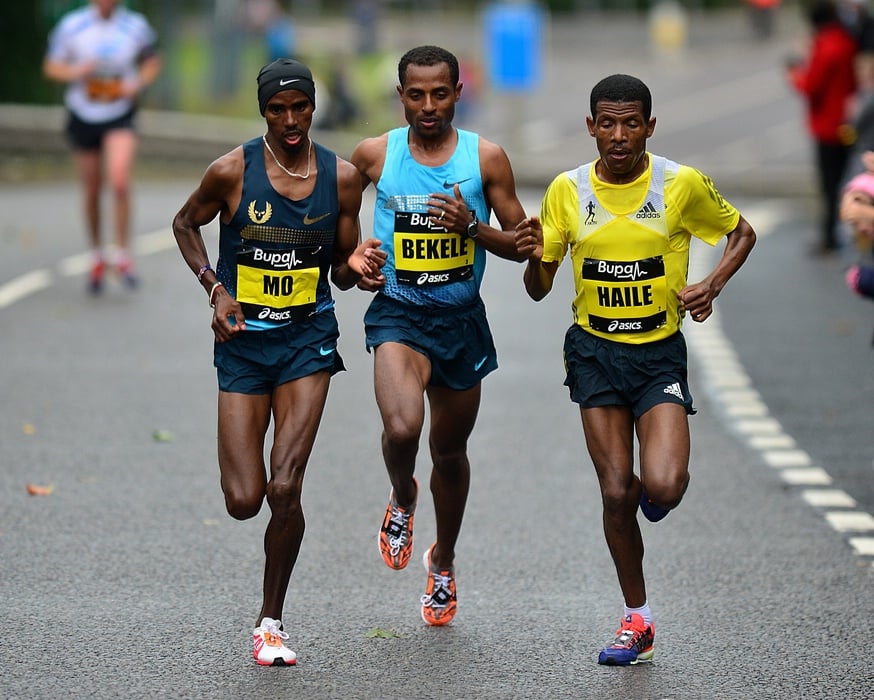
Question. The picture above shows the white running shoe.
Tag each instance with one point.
(269, 647)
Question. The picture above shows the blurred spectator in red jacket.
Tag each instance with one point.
(826, 78)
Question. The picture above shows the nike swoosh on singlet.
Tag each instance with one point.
(325, 353)
(309, 220)
(448, 184)
(288, 82)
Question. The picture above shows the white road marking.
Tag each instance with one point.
(850, 521)
(24, 285)
(772, 442)
(806, 476)
(864, 546)
(828, 498)
(31, 282)
(748, 415)
(781, 459)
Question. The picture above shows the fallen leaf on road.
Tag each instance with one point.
(37, 490)
(380, 633)
(162, 436)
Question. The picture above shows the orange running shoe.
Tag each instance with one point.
(633, 643)
(439, 603)
(269, 648)
(396, 533)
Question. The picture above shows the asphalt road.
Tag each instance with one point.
(130, 580)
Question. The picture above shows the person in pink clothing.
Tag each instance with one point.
(826, 79)
(857, 210)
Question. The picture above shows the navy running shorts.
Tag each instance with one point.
(85, 136)
(256, 362)
(457, 341)
(603, 372)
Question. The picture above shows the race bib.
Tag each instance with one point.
(625, 297)
(427, 255)
(277, 285)
(103, 88)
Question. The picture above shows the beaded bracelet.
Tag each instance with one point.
(212, 291)
(203, 270)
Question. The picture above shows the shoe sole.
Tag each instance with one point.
(277, 663)
(644, 658)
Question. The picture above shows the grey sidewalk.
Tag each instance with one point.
(721, 101)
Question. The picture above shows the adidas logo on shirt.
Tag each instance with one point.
(647, 211)
(675, 390)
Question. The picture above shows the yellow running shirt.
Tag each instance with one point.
(630, 244)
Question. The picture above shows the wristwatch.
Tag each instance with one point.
(471, 229)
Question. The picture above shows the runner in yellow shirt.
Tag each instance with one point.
(627, 219)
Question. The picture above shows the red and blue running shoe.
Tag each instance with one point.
(633, 643)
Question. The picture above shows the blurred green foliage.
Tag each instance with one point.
(211, 64)
(23, 31)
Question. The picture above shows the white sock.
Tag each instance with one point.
(120, 257)
(643, 611)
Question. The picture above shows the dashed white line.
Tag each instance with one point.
(748, 414)
(828, 498)
(864, 546)
(851, 521)
(781, 459)
(806, 476)
(772, 442)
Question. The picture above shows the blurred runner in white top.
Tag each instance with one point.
(106, 55)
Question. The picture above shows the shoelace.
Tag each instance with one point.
(623, 637)
(399, 518)
(629, 637)
(273, 629)
(440, 597)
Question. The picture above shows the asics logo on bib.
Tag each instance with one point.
(272, 315)
(274, 259)
(630, 326)
(432, 278)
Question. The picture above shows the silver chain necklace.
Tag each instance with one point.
(286, 170)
